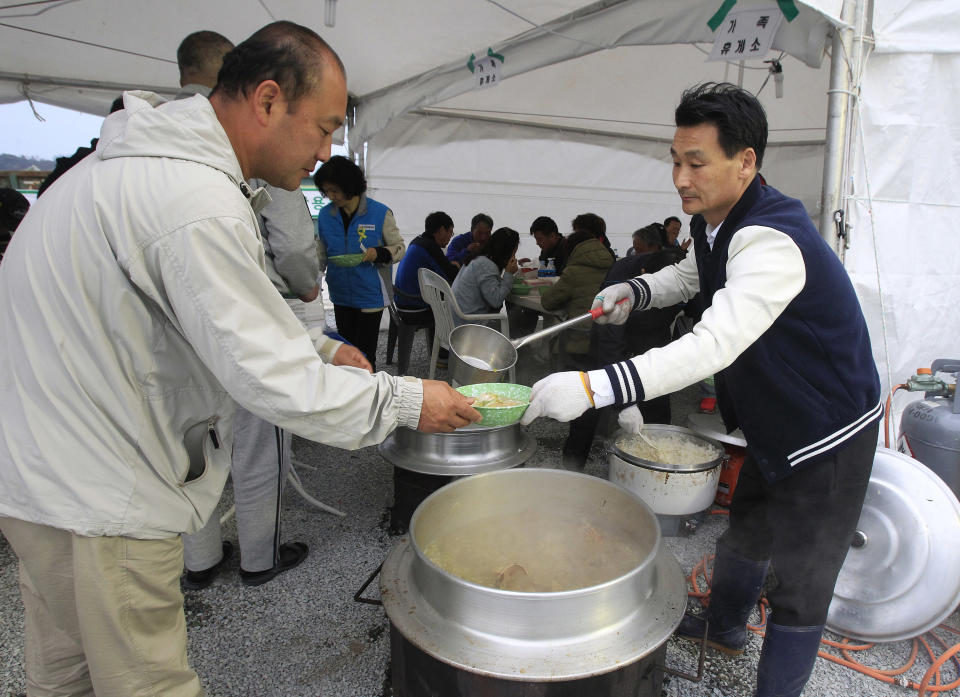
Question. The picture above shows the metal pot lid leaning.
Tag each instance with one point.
(901, 576)
(711, 426)
(626, 447)
(533, 636)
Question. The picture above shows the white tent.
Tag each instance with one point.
(581, 117)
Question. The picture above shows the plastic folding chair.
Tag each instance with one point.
(401, 333)
(436, 292)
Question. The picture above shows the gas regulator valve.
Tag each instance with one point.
(926, 381)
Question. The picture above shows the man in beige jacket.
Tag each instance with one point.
(135, 312)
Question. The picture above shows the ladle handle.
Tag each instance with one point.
(597, 311)
(560, 326)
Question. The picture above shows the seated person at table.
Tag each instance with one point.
(485, 280)
(548, 238)
(587, 264)
(425, 251)
(669, 233)
(466, 245)
(523, 320)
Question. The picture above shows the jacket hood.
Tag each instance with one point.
(591, 253)
(185, 129)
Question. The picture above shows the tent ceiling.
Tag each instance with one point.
(134, 43)
(647, 82)
(404, 56)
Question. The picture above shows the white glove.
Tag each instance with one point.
(561, 396)
(631, 420)
(607, 298)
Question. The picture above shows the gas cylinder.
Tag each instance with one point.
(930, 427)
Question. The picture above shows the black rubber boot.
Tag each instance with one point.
(787, 659)
(734, 590)
(289, 555)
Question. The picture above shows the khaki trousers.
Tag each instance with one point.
(103, 615)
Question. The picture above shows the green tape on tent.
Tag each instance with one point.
(789, 9)
(720, 14)
(498, 56)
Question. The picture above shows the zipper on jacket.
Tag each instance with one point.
(214, 438)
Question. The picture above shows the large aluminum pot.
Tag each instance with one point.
(563, 529)
(669, 489)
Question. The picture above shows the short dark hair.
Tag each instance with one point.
(662, 232)
(202, 52)
(481, 218)
(284, 52)
(501, 246)
(582, 234)
(650, 235)
(13, 206)
(343, 173)
(435, 221)
(591, 222)
(545, 225)
(738, 116)
(671, 219)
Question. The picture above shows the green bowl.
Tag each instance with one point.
(520, 289)
(499, 416)
(345, 259)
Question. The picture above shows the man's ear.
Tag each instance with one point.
(266, 98)
(748, 166)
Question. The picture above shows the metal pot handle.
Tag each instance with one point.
(703, 650)
(358, 596)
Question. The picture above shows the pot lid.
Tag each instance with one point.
(711, 425)
(901, 576)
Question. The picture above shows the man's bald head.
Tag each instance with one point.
(291, 55)
(200, 56)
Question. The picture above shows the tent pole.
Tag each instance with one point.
(838, 118)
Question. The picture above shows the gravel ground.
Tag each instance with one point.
(303, 635)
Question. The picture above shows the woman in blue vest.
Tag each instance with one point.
(354, 224)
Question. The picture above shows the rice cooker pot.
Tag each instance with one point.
(669, 490)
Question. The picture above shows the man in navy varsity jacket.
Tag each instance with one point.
(784, 333)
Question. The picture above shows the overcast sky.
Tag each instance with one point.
(61, 133)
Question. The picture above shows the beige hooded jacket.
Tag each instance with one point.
(133, 306)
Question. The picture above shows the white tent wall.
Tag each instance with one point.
(904, 257)
(516, 173)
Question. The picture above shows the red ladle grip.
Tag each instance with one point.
(597, 311)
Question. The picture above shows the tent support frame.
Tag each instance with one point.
(847, 44)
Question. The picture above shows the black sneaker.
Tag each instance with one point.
(198, 580)
(291, 554)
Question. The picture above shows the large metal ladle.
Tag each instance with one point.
(479, 353)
